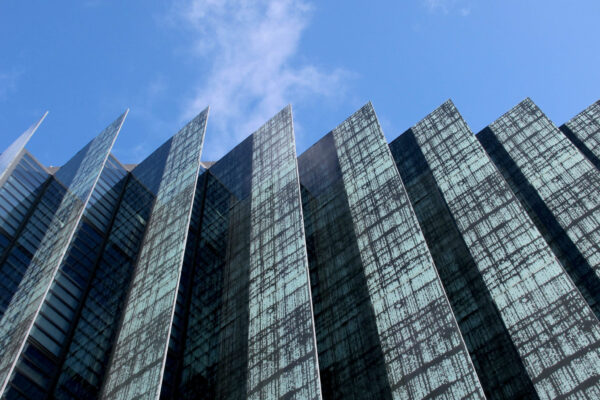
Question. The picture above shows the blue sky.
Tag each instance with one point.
(87, 61)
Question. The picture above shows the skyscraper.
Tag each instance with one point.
(443, 265)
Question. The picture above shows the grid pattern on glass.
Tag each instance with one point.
(12, 152)
(351, 362)
(556, 181)
(584, 131)
(209, 341)
(499, 367)
(18, 319)
(28, 199)
(551, 325)
(138, 359)
(50, 337)
(282, 355)
(569, 255)
(421, 343)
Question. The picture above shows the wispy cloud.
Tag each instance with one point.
(460, 7)
(252, 47)
(8, 83)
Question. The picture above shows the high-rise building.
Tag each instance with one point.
(442, 265)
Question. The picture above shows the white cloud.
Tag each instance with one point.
(449, 6)
(8, 83)
(252, 47)
(435, 5)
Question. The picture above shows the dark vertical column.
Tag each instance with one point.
(351, 360)
(550, 324)
(230, 189)
(214, 358)
(185, 296)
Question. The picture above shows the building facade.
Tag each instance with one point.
(441, 265)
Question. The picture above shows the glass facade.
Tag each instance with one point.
(76, 179)
(557, 186)
(208, 350)
(550, 324)
(9, 157)
(443, 265)
(346, 331)
(243, 326)
(137, 361)
(499, 367)
(411, 329)
(84, 362)
(584, 131)
(52, 330)
(29, 197)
